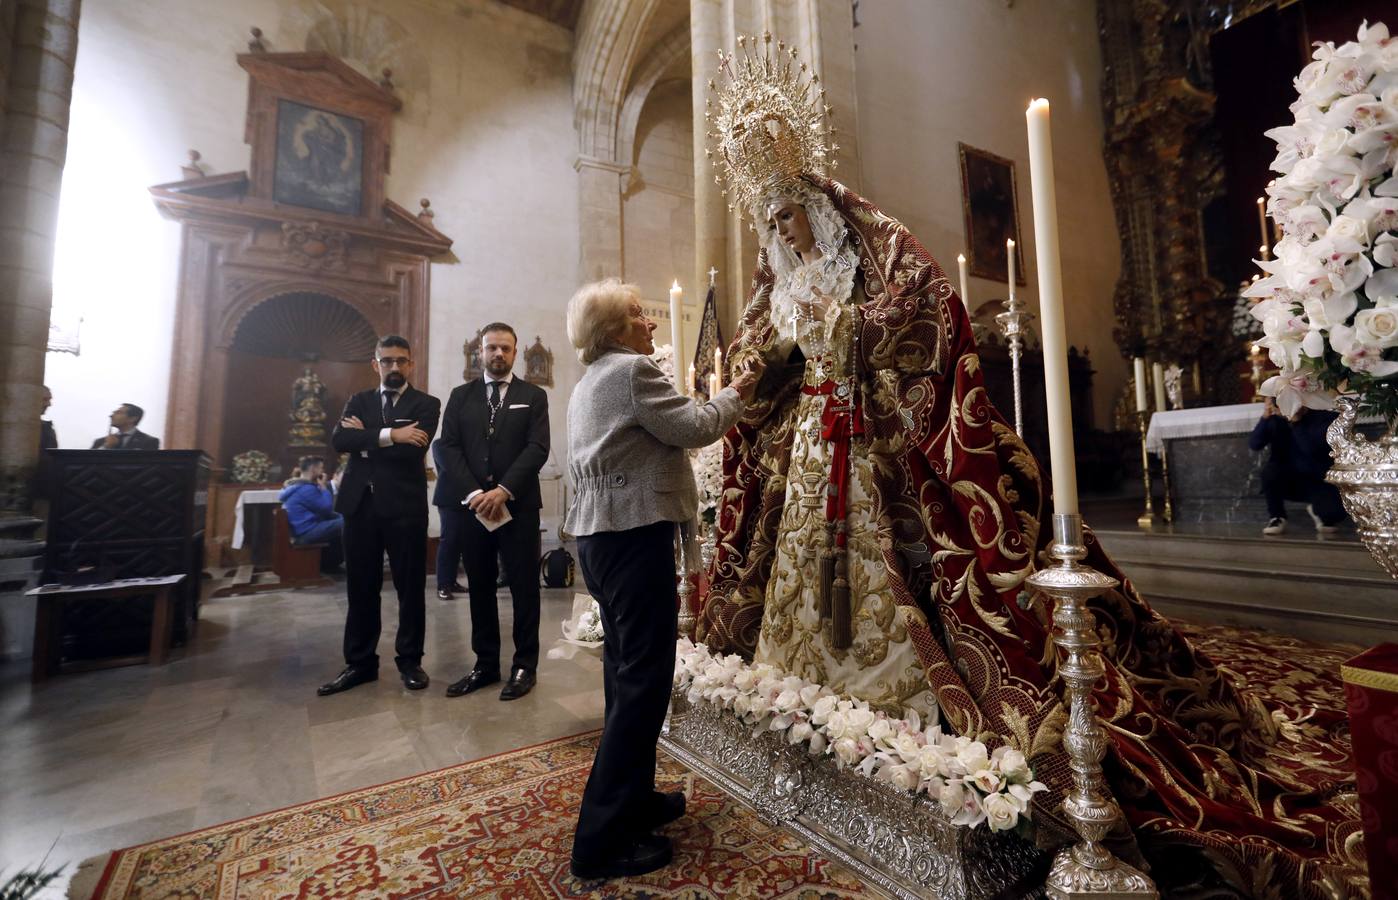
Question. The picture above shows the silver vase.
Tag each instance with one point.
(1366, 472)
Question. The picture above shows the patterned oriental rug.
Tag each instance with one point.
(501, 827)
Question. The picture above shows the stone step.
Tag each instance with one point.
(1322, 590)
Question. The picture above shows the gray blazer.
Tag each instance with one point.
(626, 430)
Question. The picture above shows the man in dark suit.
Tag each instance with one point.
(48, 438)
(495, 439)
(383, 497)
(124, 434)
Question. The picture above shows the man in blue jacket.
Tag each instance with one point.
(309, 502)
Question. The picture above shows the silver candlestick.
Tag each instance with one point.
(1012, 323)
(1088, 869)
(683, 565)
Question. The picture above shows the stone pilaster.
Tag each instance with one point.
(33, 145)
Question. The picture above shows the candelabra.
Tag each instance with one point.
(1087, 869)
(1167, 510)
(1012, 323)
(1147, 518)
(684, 537)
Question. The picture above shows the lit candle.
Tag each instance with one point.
(961, 267)
(718, 366)
(713, 385)
(1139, 369)
(1262, 221)
(689, 386)
(1053, 333)
(1010, 255)
(676, 327)
(1198, 382)
(1157, 376)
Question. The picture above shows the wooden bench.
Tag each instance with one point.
(296, 565)
(48, 620)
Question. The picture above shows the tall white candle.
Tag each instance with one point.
(689, 382)
(713, 385)
(1139, 370)
(718, 366)
(677, 329)
(1010, 255)
(1053, 331)
(1157, 376)
(961, 267)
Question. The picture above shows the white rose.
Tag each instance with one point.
(907, 746)
(1000, 814)
(1013, 765)
(788, 701)
(799, 732)
(987, 780)
(1348, 234)
(810, 694)
(973, 757)
(847, 751)
(881, 731)
(823, 708)
(952, 795)
(902, 775)
(1377, 327)
(1386, 249)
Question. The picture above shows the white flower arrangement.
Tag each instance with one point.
(589, 625)
(664, 357)
(972, 784)
(1329, 302)
(707, 462)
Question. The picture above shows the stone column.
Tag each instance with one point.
(33, 145)
(706, 36)
(599, 198)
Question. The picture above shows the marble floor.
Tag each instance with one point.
(232, 726)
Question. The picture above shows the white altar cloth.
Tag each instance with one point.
(434, 520)
(1238, 418)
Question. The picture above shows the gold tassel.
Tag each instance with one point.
(841, 632)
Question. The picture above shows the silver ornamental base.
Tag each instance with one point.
(1087, 869)
(899, 843)
(1366, 472)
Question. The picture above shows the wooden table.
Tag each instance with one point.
(48, 619)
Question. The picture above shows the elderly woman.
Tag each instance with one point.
(627, 430)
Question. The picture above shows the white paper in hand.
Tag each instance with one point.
(492, 525)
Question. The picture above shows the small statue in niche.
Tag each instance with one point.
(538, 364)
(472, 351)
(307, 411)
(1174, 386)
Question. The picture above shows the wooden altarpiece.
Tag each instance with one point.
(309, 217)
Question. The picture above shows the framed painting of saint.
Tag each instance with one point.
(319, 159)
(990, 205)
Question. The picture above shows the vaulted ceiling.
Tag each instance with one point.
(559, 12)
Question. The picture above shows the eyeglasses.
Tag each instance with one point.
(394, 362)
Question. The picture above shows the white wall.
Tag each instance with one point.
(930, 74)
(486, 134)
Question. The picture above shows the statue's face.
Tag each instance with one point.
(792, 225)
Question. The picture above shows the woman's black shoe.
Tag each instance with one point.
(643, 853)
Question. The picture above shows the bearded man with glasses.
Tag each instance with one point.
(383, 498)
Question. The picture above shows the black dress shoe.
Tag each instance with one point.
(521, 682)
(414, 679)
(474, 681)
(443, 594)
(641, 854)
(458, 588)
(665, 808)
(352, 676)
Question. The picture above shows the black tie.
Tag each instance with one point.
(389, 397)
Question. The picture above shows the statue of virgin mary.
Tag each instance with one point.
(879, 519)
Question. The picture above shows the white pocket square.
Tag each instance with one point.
(519, 406)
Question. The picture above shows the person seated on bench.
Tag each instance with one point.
(309, 502)
(1296, 468)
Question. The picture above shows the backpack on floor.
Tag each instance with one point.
(556, 568)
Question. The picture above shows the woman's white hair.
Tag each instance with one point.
(597, 316)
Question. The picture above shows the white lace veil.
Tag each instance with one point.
(833, 273)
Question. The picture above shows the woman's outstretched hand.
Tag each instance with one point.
(745, 382)
(816, 307)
